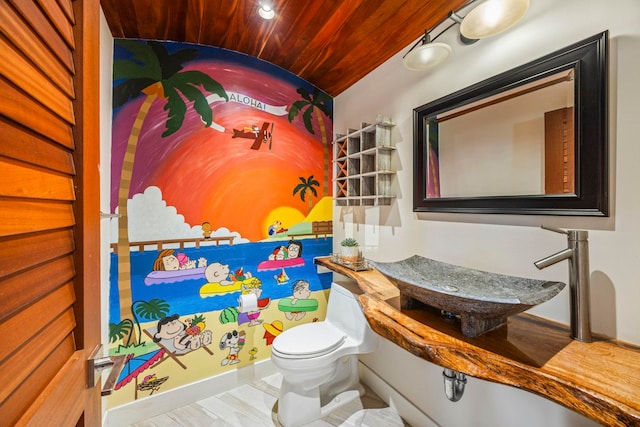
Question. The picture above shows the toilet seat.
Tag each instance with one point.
(308, 340)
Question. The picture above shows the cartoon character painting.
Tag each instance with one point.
(252, 317)
(289, 255)
(271, 331)
(170, 267)
(219, 280)
(294, 248)
(167, 261)
(252, 353)
(206, 230)
(175, 336)
(259, 135)
(296, 307)
(276, 228)
(151, 383)
(281, 278)
(234, 341)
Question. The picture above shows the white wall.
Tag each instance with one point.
(106, 65)
(506, 244)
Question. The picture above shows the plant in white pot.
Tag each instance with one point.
(349, 250)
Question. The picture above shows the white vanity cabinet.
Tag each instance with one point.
(362, 165)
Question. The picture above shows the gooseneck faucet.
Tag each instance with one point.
(578, 255)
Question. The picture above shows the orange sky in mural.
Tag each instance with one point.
(234, 186)
(208, 175)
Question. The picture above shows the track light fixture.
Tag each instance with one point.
(487, 19)
(427, 55)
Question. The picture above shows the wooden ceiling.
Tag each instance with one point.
(330, 43)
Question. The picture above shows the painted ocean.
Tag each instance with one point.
(184, 296)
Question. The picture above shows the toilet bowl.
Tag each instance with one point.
(319, 361)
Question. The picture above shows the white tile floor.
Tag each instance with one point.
(252, 405)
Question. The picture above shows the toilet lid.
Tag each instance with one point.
(311, 339)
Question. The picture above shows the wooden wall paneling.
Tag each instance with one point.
(20, 290)
(110, 8)
(42, 133)
(67, 8)
(215, 18)
(337, 26)
(69, 377)
(17, 217)
(24, 180)
(15, 405)
(132, 14)
(19, 329)
(194, 23)
(329, 43)
(59, 20)
(22, 36)
(286, 41)
(19, 365)
(559, 143)
(161, 19)
(29, 113)
(32, 81)
(31, 250)
(46, 32)
(87, 208)
(21, 144)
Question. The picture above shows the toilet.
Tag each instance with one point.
(319, 361)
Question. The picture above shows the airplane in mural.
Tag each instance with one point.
(259, 135)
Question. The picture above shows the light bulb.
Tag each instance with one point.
(492, 17)
(266, 11)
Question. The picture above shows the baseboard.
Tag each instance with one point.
(152, 406)
(392, 397)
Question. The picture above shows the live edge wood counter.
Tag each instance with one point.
(600, 380)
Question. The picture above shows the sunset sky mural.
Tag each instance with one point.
(210, 175)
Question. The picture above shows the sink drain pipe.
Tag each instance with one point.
(454, 383)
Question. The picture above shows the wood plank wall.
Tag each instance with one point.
(559, 152)
(37, 196)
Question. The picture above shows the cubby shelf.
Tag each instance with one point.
(363, 174)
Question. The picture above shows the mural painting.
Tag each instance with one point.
(220, 185)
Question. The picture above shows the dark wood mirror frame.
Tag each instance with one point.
(589, 59)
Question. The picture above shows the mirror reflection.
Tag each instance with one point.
(517, 142)
(531, 140)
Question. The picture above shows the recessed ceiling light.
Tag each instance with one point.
(266, 11)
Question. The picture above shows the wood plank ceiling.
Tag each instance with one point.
(330, 43)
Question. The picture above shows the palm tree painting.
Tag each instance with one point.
(317, 102)
(156, 74)
(304, 186)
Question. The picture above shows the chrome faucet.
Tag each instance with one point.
(578, 255)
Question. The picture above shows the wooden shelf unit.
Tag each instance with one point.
(362, 166)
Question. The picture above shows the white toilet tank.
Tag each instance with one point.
(345, 313)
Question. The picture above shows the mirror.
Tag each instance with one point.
(532, 140)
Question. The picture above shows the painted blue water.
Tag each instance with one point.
(184, 297)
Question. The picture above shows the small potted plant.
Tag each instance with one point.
(349, 250)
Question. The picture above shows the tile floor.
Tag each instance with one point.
(252, 405)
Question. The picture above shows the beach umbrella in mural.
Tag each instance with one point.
(135, 365)
(155, 74)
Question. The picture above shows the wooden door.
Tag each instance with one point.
(49, 211)
(559, 152)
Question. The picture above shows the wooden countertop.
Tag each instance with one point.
(600, 380)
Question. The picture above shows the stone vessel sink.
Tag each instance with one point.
(482, 300)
